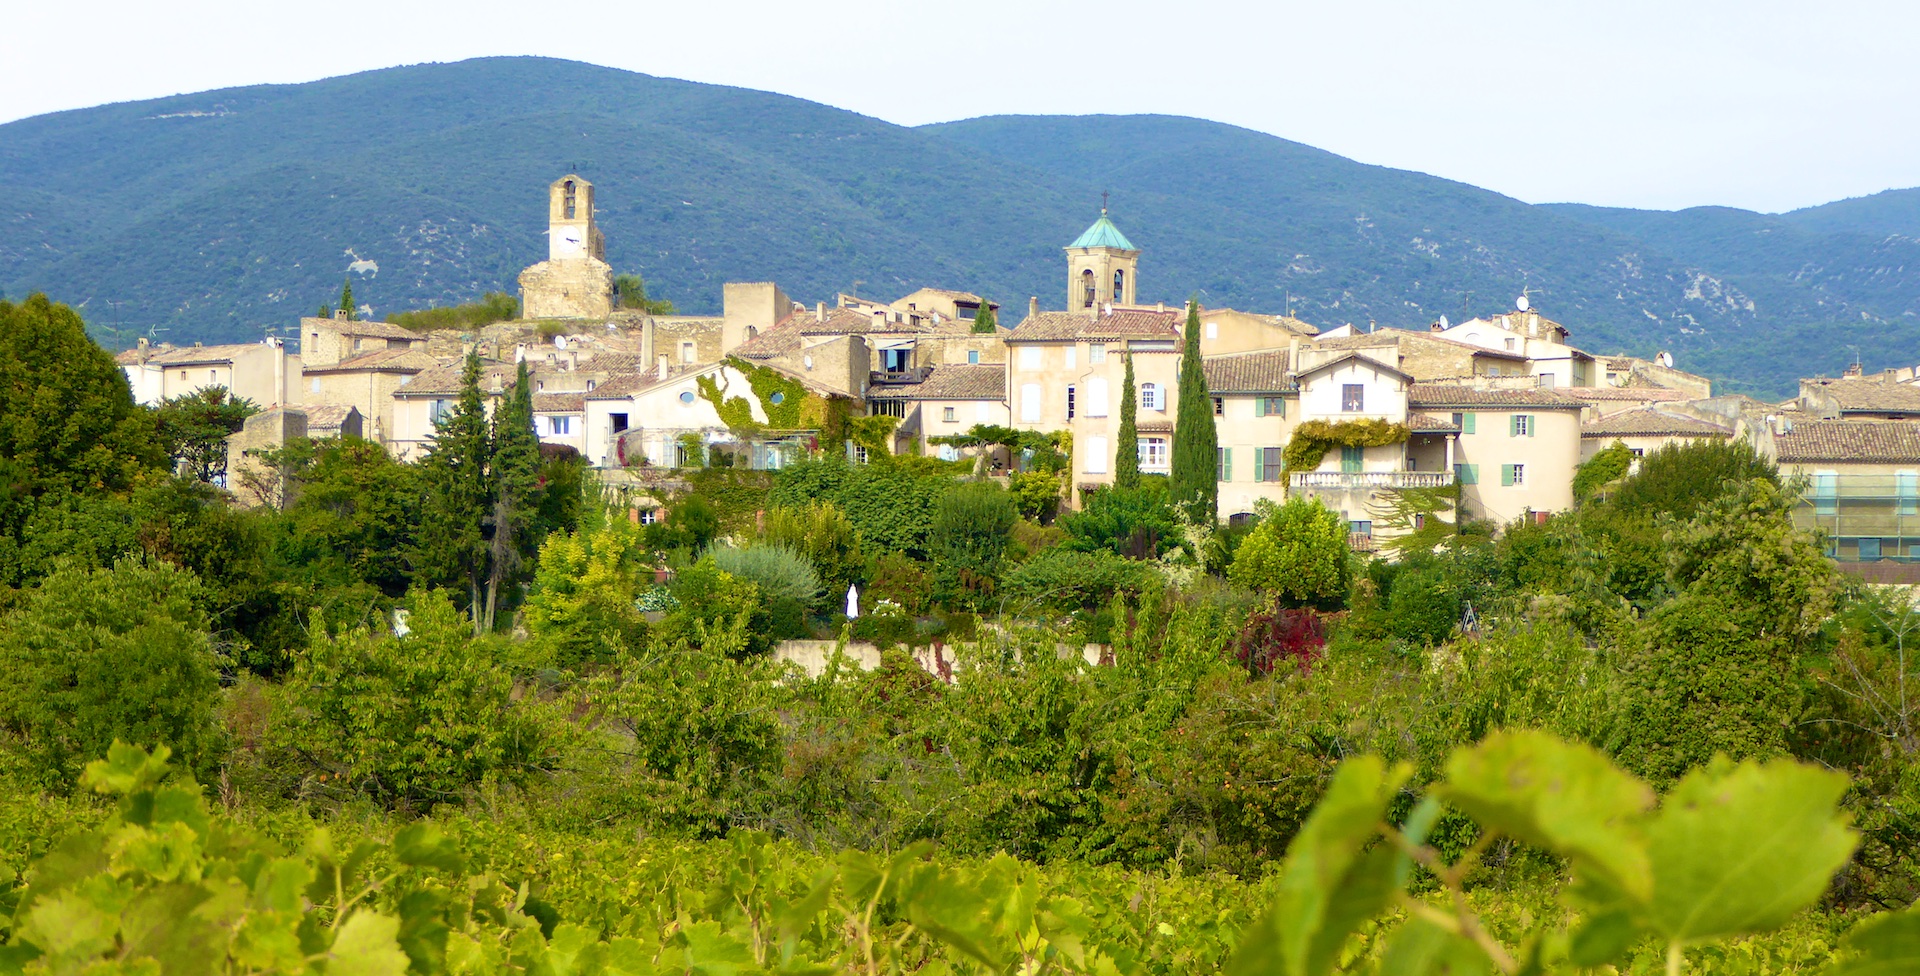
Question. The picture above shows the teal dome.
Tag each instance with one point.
(1104, 234)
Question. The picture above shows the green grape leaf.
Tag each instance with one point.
(266, 942)
(1420, 948)
(626, 957)
(793, 918)
(1328, 885)
(69, 924)
(423, 935)
(1562, 796)
(711, 951)
(568, 949)
(367, 945)
(277, 887)
(958, 917)
(126, 769)
(1603, 938)
(424, 845)
(1741, 849)
(1886, 945)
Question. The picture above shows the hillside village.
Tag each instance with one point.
(1503, 406)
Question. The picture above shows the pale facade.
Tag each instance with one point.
(1517, 449)
(262, 372)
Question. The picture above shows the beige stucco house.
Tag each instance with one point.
(1516, 450)
(262, 372)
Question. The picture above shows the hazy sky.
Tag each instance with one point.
(1759, 104)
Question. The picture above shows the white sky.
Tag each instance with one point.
(1757, 103)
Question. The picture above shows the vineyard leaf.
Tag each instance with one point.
(1420, 947)
(1562, 796)
(627, 957)
(69, 924)
(1327, 887)
(1741, 849)
(1603, 938)
(277, 888)
(423, 935)
(710, 951)
(126, 769)
(425, 845)
(1888, 945)
(957, 916)
(367, 946)
(565, 950)
(161, 923)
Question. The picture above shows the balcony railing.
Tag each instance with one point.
(1361, 480)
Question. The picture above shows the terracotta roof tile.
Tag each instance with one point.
(1650, 422)
(1421, 423)
(1871, 395)
(559, 402)
(1120, 324)
(952, 382)
(1850, 440)
(1448, 395)
(383, 360)
(373, 330)
(1249, 372)
(192, 355)
(1644, 394)
(325, 416)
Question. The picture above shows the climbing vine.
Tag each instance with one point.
(784, 401)
(1314, 438)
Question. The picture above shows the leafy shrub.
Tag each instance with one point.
(822, 533)
(969, 542)
(96, 656)
(1683, 477)
(1279, 635)
(1298, 552)
(1064, 580)
(494, 306)
(779, 572)
(414, 720)
(1138, 523)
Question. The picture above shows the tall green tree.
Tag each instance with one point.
(515, 475)
(194, 428)
(1126, 447)
(1196, 443)
(68, 422)
(983, 321)
(346, 299)
(452, 546)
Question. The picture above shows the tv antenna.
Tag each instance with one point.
(1103, 203)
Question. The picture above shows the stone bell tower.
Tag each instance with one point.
(1101, 267)
(575, 281)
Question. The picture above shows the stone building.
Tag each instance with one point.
(262, 372)
(575, 281)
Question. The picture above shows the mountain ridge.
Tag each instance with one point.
(228, 223)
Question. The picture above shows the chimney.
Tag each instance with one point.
(1853, 370)
(663, 367)
(1033, 306)
(820, 311)
(573, 359)
(1293, 353)
(1435, 327)
(1160, 306)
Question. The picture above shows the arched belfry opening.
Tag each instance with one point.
(1089, 289)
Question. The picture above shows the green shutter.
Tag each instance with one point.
(1506, 475)
(1532, 426)
(1351, 459)
(1226, 465)
(1259, 406)
(1283, 406)
(1466, 423)
(1513, 425)
(1259, 464)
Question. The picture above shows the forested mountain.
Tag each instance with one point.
(223, 213)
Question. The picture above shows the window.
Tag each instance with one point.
(567, 198)
(315, 385)
(1270, 407)
(1088, 288)
(1513, 475)
(1096, 353)
(950, 414)
(686, 396)
(590, 385)
(1869, 549)
(1030, 402)
(560, 425)
(859, 455)
(1072, 355)
(539, 386)
(1466, 474)
(1153, 453)
(439, 409)
(1464, 421)
(1509, 343)
(1219, 406)
(1070, 403)
(1826, 492)
(1119, 286)
(649, 516)
(688, 352)
(973, 357)
(1353, 397)
(1419, 521)
(1544, 381)
(1268, 464)
(1363, 527)
(1213, 330)
(1520, 425)
(887, 408)
(1031, 357)
(1150, 398)
(1097, 396)
(619, 421)
(1223, 464)
(1352, 459)
(895, 360)
(1096, 456)
(356, 343)
(1637, 451)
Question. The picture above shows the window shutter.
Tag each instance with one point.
(1226, 464)
(1466, 423)
(1283, 407)
(1259, 406)
(1259, 465)
(1513, 425)
(1506, 475)
(1532, 427)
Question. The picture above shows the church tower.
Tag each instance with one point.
(1101, 267)
(571, 231)
(575, 281)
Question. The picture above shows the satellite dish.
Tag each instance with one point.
(1444, 323)
(1522, 304)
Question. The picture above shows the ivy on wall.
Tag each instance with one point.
(1314, 438)
(784, 401)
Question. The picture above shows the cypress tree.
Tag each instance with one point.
(983, 320)
(1126, 450)
(346, 299)
(515, 470)
(459, 496)
(1196, 486)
